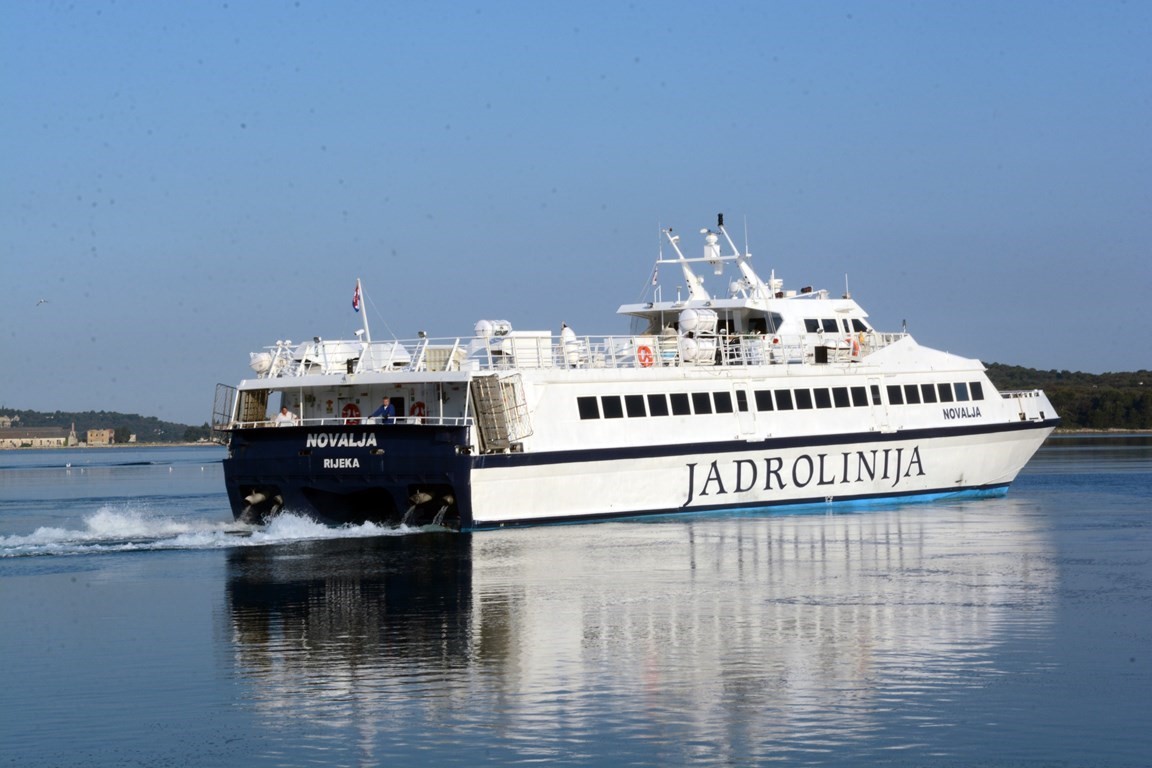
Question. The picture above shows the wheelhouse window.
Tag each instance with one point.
(658, 405)
(977, 390)
(701, 402)
(911, 394)
(722, 401)
(803, 399)
(680, 405)
(895, 394)
(945, 391)
(928, 391)
(784, 400)
(823, 398)
(961, 392)
(860, 397)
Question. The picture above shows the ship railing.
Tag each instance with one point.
(535, 350)
(329, 421)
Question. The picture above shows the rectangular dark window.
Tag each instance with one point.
(763, 399)
(811, 325)
(611, 406)
(945, 391)
(911, 394)
(783, 399)
(680, 404)
(860, 397)
(962, 392)
(831, 326)
(658, 405)
(589, 409)
(858, 326)
(741, 400)
(875, 394)
(840, 397)
(823, 399)
(929, 392)
(634, 405)
(701, 403)
(895, 394)
(723, 401)
(804, 399)
(977, 390)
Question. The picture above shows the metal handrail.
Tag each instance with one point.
(427, 421)
(534, 351)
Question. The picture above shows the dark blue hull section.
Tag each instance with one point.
(341, 475)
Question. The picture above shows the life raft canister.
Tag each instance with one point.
(351, 413)
(644, 356)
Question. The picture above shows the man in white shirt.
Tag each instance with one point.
(285, 418)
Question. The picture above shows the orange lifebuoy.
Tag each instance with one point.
(351, 413)
(644, 355)
(417, 409)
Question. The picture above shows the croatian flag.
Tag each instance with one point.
(356, 297)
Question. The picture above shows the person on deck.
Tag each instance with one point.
(285, 418)
(386, 412)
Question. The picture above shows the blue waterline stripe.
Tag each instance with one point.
(797, 505)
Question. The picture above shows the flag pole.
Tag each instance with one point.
(357, 300)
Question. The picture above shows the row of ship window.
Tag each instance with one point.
(688, 403)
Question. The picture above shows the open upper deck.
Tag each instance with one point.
(534, 350)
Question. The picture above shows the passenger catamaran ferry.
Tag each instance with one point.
(754, 397)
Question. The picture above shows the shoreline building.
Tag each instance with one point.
(35, 437)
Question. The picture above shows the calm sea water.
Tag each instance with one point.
(137, 630)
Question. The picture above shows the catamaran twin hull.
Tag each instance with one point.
(420, 474)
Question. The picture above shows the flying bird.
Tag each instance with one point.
(42, 301)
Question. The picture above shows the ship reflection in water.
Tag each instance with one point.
(752, 637)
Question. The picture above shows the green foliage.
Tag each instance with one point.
(1086, 400)
(148, 429)
(196, 434)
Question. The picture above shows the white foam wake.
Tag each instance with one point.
(121, 530)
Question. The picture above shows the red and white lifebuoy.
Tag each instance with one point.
(644, 356)
(417, 410)
(351, 413)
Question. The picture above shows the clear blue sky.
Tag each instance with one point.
(189, 182)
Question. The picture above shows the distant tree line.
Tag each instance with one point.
(148, 429)
(1086, 400)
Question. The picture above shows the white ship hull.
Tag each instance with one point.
(749, 475)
